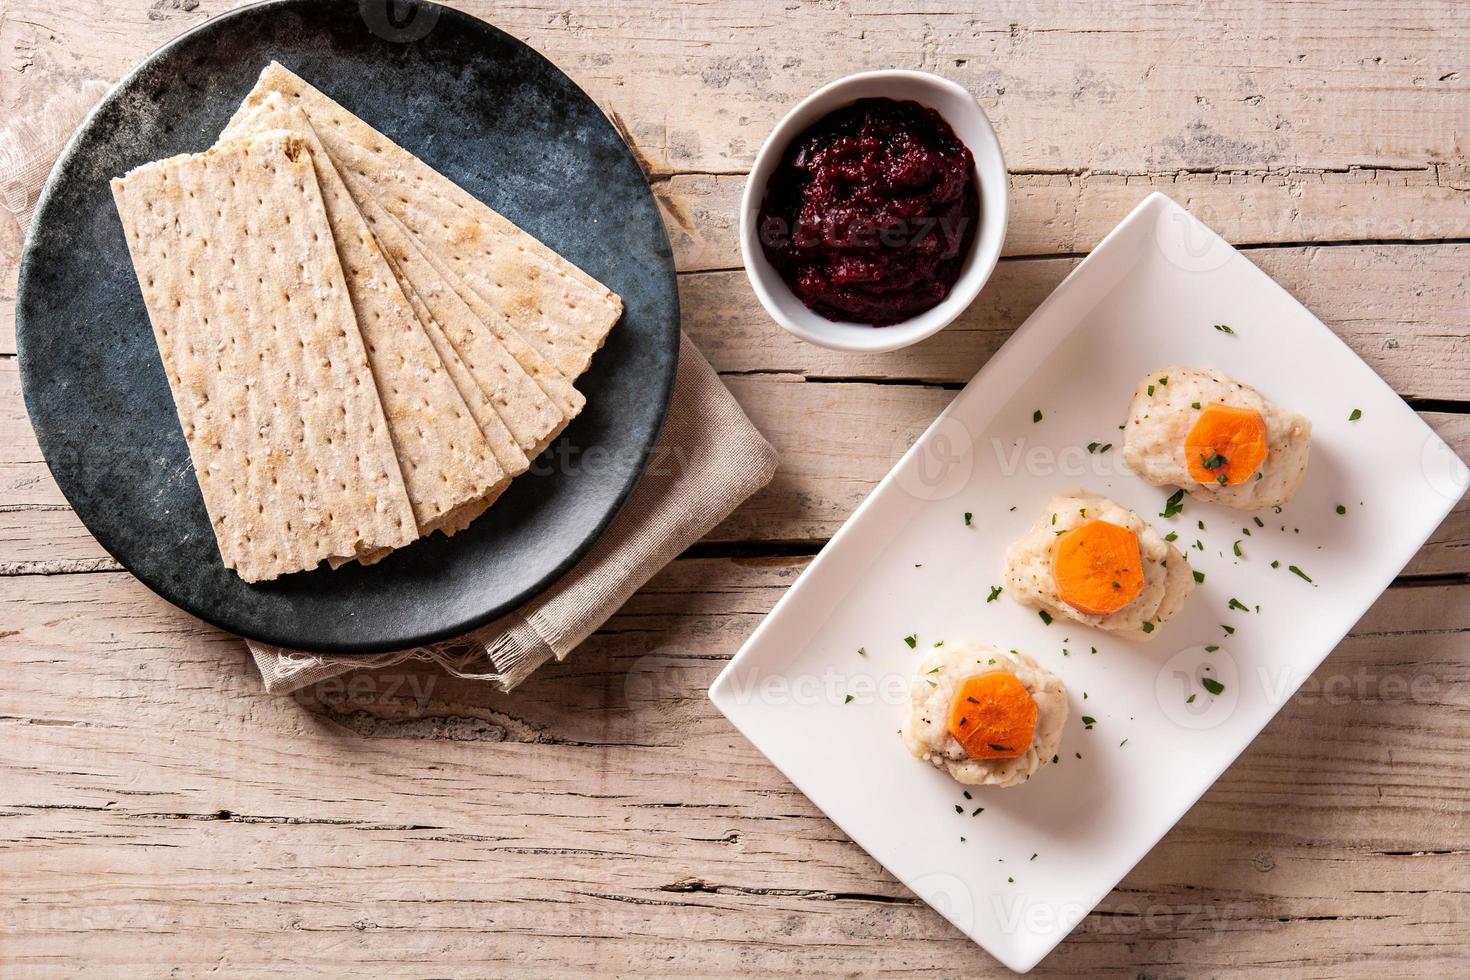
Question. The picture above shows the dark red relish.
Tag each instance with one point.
(871, 212)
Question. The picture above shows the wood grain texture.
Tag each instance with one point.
(605, 818)
(157, 811)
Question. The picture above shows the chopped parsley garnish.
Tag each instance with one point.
(1259, 522)
(1148, 627)
(1356, 414)
(1190, 699)
(1237, 550)
(912, 640)
(1105, 447)
(958, 808)
(1036, 416)
(969, 518)
(1212, 685)
(939, 644)
(1229, 630)
(1199, 576)
(1164, 380)
(1088, 721)
(1122, 743)
(972, 700)
(1092, 446)
(1298, 572)
(995, 591)
(1000, 748)
(1150, 390)
(1275, 564)
(1172, 536)
(1213, 461)
(977, 811)
(1237, 604)
(1341, 509)
(937, 669)
(862, 651)
(1223, 328)
(1174, 504)
(1045, 617)
(1211, 648)
(1194, 405)
(847, 700)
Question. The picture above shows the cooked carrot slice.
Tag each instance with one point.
(993, 716)
(1226, 445)
(1098, 567)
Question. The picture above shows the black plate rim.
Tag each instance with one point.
(266, 635)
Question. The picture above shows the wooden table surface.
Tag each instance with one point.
(158, 810)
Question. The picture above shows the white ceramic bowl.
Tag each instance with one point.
(964, 115)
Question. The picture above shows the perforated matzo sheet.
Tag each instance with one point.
(444, 458)
(563, 312)
(269, 374)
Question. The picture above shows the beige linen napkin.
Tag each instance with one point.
(709, 459)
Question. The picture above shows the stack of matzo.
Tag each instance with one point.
(361, 353)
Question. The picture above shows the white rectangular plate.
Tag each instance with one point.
(906, 563)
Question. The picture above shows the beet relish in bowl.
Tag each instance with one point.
(878, 200)
(871, 211)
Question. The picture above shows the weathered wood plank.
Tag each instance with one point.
(697, 86)
(154, 810)
(1053, 214)
(1402, 308)
(865, 429)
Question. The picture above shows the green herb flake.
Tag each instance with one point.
(1223, 328)
(1045, 617)
(1150, 390)
(862, 651)
(1341, 509)
(1148, 627)
(1236, 549)
(1356, 414)
(1122, 743)
(1105, 447)
(995, 591)
(977, 811)
(1088, 721)
(1212, 685)
(1194, 405)
(1036, 416)
(958, 808)
(1172, 536)
(1174, 504)
(1164, 380)
(912, 640)
(1092, 446)
(1211, 648)
(847, 700)
(1259, 522)
(1229, 630)
(969, 519)
(1237, 604)
(1199, 576)
(1190, 699)
(968, 796)
(1298, 573)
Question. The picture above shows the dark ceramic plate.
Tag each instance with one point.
(482, 108)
